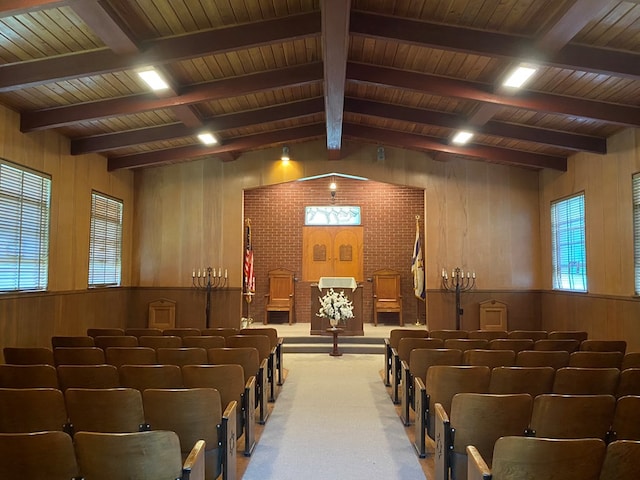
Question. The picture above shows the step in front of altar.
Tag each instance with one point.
(324, 344)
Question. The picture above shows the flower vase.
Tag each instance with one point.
(333, 322)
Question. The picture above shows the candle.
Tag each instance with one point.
(474, 275)
(468, 274)
(443, 273)
(220, 272)
(225, 273)
(462, 273)
(194, 273)
(198, 273)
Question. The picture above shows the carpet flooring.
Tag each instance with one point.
(333, 420)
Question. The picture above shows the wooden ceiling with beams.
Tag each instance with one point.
(264, 73)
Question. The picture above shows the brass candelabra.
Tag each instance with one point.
(458, 283)
(206, 279)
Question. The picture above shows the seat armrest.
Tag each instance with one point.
(477, 468)
(387, 362)
(395, 375)
(422, 405)
(249, 416)
(444, 443)
(228, 441)
(406, 399)
(193, 466)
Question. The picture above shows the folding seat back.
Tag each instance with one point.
(259, 342)
(391, 361)
(203, 341)
(596, 359)
(78, 356)
(464, 344)
(270, 332)
(194, 414)
(488, 334)
(572, 416)
(246, 357)
(220, 331)
(72, 341)
(182, 332)
(142, 377)
(630, 360)
(28, 376)
(105, 332)
(108, 410)
(396, 334)
(28, 355)
(88, 376)
(407, 344)
(160, 341)
(490, 358)
(515, 344)
(118, 356)
(579, 335)
(552, 344)
(622, 461)
(182, 356)
(444, 334)
(142, 455)
(32, 410)
(586, 381)
(629, 382)
(532, 380)
(105, 342)
(540, 358)
(143, 332)
(604, 346)
(517, 458)
(528, 334)
(626, 419)
(479, 420)
(47, 455)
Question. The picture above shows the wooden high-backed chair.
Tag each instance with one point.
(281, 296)
(387, 296)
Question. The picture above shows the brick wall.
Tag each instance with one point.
(388, 218)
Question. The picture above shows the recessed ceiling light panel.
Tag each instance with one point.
(207, 138)
(462, 137)
(519, 76)
(153, 79)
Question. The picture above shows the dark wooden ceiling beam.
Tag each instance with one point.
(114, 141)
(228, 87)
(624, 115)
(158, 52)
(335, 43)
(425, 143)
(103, 21)
(10, 8)
(191, 152)
(567, 140)
(494, 44)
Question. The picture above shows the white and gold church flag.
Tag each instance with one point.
(417, 266)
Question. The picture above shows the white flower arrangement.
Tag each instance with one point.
(335, 306)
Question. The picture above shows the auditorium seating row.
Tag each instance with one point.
(480, 419)
(52, 455)
(516, 340)
(193, 414)
(516, 458)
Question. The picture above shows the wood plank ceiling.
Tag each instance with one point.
(264, 73)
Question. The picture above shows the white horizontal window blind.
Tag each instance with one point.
(636, 230)
(105, 247)
(568, 244)
(24, 228)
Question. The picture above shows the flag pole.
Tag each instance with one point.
(416, 263)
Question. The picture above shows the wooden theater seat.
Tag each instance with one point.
(100, 332)
(515, 344)
(464, 344)
(604, 346)
(105, 342)
(142, 377)
(118, 356)
(444, 334)
(203, 341)
(28, 355)
(276, 346)
(88, 376)
(143, 455)
(489, 358)
(392, 342)
(28, 376)
(263, 345)
(622, 461)
(160, 341)
(540, 358)
(586, 381)
(143, 332)
(46, 455)
(78, 355)
(626, 419)
(551, 344)
(478, 420)
(628, 382)
(32, 410)
(594, 359)
(196, 414)
(401, 354)
(517, 458)
(182, 356)
(182, 332)
(72, 341)
(579, 335)
(527, 334)
(532, 380)
(488, 334)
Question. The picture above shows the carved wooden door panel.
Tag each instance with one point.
(332, 252)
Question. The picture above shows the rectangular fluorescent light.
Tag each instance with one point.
(519, 76)
(153, 79)
(207, 138)
(462, 137)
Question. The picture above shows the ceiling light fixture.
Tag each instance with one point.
(152, 78)
(207, 138)
(519, 76)
(462, 137)
(285, 154)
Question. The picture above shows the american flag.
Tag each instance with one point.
(249, 274)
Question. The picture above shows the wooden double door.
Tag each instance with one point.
(332, 252)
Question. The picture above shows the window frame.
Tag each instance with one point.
(29, 227)
(108, 273)
(568, 284)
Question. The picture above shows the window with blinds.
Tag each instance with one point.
(25, 198)
(105, 247)
(636, 230)
(568, 244)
